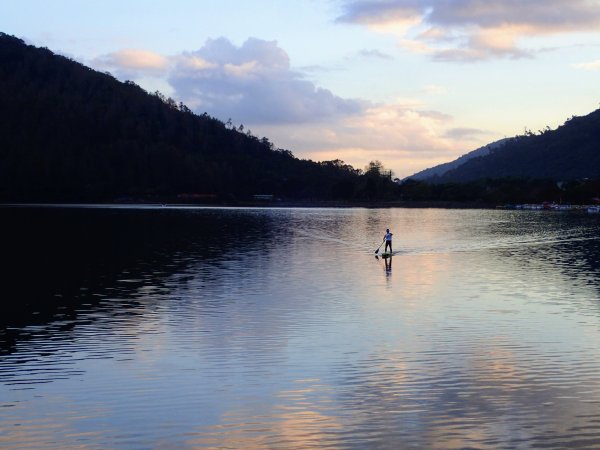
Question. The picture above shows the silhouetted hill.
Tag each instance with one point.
(439, 170)
(70, 133)
(570, 152)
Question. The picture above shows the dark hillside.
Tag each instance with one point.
(70, 133)
(568, 153)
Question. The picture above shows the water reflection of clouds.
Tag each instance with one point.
(479, 402)
(490, 390)
(299, 417)
(489, 342)
(294, 429)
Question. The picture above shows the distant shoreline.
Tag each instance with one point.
(288, 204)
(259, 204)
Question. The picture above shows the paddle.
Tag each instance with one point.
(377, 251)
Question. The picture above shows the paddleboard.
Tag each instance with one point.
(388, 254)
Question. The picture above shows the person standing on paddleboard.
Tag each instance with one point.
(388, 240)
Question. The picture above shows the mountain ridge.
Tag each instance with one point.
(569, 152)
(440, 169)
(70, 133)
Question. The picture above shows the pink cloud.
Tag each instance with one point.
(405, 137)
(469, 30)
(133, 60)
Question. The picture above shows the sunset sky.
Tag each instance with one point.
(412, 83)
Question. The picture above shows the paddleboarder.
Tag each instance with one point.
(388, 240)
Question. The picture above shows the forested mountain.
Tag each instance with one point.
(69, 133)
(571, 152)
(432, 173)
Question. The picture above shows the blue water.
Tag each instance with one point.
(163, 327)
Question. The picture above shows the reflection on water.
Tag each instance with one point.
(279, 328)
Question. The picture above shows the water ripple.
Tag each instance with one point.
(482, 332)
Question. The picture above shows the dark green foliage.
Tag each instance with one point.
(70, 133)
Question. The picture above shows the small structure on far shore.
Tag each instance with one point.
(263, 197)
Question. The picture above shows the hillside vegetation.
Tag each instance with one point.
(571, 152)
(69, 133)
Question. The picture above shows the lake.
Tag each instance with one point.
(159, 327)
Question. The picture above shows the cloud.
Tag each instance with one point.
(129, 62)
(371, 53)
(405, 137)
(381, 12)
(471, 30)
(252, 83)
(593, 65)
(466, 133)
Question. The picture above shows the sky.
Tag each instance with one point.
(409, 83)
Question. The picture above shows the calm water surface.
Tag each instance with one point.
(278, 328)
